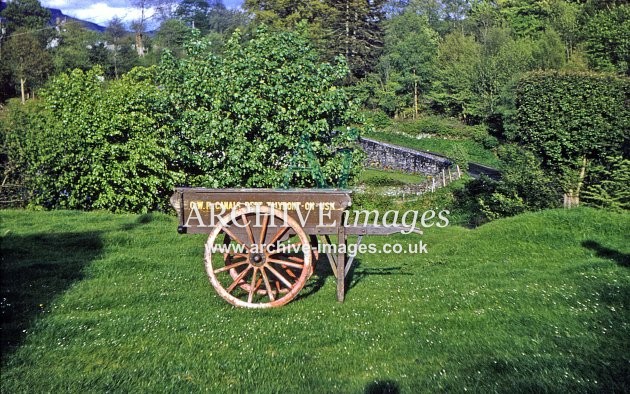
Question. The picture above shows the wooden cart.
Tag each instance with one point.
(263, 243)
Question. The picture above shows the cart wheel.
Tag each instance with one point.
(245, 271)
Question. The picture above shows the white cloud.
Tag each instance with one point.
(57, 3)
(98, 12)
(101, 13)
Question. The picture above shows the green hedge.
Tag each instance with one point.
(566, 116)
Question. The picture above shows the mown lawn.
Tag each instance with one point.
(95, 302)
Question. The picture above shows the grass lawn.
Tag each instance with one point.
(475, 151)
(382, 177)
(95, 302)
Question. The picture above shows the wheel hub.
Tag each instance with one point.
(257, 259)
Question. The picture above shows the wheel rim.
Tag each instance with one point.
(249, 274)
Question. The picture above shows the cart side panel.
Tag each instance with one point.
(317, 211)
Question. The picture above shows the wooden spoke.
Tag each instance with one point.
(250, 234)
(278, 234)
(229, 258)
(252, 287)
(263, 230)
(234, 237)
(231, 266)
(238, 279)
(284, 262)
(289, 272)
(279, 276)
(267, 285)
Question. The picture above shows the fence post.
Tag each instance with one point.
(443, 177)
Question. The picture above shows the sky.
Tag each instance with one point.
(101, 11)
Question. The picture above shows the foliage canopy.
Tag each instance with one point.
(242, 118)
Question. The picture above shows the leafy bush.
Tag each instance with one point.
(90, 145)
(239, 120)
(459, 156)
(377, 118)
(479, 133)
(264, 106)
(22, 131)
(523, 186)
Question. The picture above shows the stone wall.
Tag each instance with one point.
(384, 155)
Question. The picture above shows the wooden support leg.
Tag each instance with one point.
(331, 256)
(341, 261)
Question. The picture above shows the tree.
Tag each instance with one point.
(149, 9)
(410, 49)
(607, 39)
(195, 13)
(26, 15)
(287, 15)
(28, 60)
(99, 55)
(351, 28)
(24, 56)
(117, 36)
(550, 53)
(608, 185)
(73, 47)
(245, 118)
(565, 20)
(171, 35)
(139, 25)
(482, 18)
(525, 17)
(453, 90)
(357, 26)
(164, 9)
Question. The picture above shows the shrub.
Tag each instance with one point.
(523, 186)
(377, 118)
(608, 185)
(22, 135)
(263, 107)
(572, 119)
(100, 146)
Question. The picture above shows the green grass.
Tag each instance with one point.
(380, 177)
(95, 302)
(474, 150)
